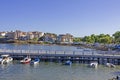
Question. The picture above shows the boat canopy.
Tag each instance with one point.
(4, 55)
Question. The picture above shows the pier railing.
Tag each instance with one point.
(84, 52)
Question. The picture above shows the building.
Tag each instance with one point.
(50, 37)
(65, 38)
(2, 34)
(10, 35)
(20, 35)
(35, 34)
(15, 35)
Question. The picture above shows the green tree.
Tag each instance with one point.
(102, 38)
(105, 38)
(77, 39)
(116, 36)
(88, 39)
(93, 37)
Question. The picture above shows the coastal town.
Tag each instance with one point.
(100, 42)
(35, 36)
(59, 39)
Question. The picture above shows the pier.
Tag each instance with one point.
(85, 56)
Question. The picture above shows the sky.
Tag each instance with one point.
(77, 17)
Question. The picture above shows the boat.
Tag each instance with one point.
(26, 60)
(5, 59)
(35, 61)
(93, 64)
(110, 65)
(78, 47)
(68, 62)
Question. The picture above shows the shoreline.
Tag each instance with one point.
(103, 48)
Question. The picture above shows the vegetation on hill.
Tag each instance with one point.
(102, 38)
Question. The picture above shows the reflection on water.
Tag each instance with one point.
(54, 71)
(37, 47)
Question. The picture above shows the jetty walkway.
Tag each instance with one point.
(85, 56)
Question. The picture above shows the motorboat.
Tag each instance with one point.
(26, 60)
(5, 59)
(110, 65)
(93, 64)
(35, 61)
(68, 62)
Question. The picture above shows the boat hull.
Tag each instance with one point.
(25, 60)
(68, 63)
(35, 61)
(5, 59)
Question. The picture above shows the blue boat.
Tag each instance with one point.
(35, 61)
(68, 62)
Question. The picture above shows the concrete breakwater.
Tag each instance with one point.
(85, 56)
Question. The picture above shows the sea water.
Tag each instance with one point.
(55, 71)
(52, 70)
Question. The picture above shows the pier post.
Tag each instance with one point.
(73, 52)
(83, 53)
(92, 52)
(118, 61)
(55, 52)
(64, 52)
(98, 60)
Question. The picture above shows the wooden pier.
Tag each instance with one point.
(85, 56)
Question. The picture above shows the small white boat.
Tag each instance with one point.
(110, 65)
(5, 59)
(93, 65)
(68, 62)
(35, 61)
(26, 60)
